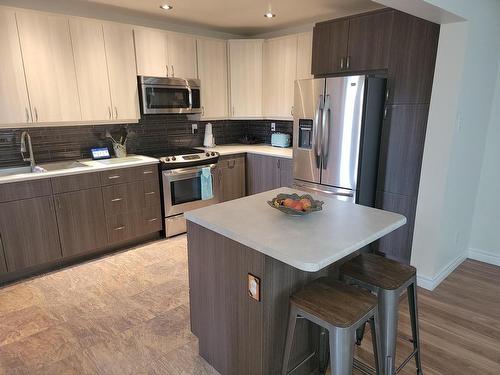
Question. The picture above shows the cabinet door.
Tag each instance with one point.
(304, 55)
(262, 174)
(28, 229)
(81, 221)
(212, 71)
(330, 47)
(369, 41)
(279, 72)
(49, 66)
(232, 178)
(181, 55)
(119, 44)
(14, 104)
(286, 172)
(150, 52)
(91, 71)
(245, 61)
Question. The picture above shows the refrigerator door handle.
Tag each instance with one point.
(325, 124)
(338, 193)
(317, 131)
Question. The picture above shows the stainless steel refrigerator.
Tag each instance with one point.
(336, 136)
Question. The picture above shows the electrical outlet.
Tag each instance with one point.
(254, 287)
(194, 128)
(273, 126)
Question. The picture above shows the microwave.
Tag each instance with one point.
(169, 95)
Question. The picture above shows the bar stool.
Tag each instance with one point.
(339, 308)
(388, 279)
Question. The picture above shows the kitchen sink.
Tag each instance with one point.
(57, 166)
(14, 171)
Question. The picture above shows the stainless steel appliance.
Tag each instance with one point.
(336, 136)
(168, 95)
(181, 171)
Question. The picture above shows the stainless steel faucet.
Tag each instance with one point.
(31, 159)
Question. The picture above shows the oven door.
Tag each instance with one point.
(182, 189)
(165, 99)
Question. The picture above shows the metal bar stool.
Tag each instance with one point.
(339, 308)
(388, 279)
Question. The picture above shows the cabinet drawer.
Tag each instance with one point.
(151, 193)
(76, 182)
(123, 198)
(25, 190)
(151, 219)
(123, 227)
(123, 175)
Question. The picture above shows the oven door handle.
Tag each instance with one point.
(186, 171)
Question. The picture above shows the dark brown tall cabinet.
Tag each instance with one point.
(403, 48)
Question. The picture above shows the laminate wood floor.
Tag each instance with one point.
(128, 313)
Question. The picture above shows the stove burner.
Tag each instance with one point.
(181, 157)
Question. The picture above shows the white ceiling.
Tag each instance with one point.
(244, 17)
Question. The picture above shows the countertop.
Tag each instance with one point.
(309, 242)
(258, 149)
(90, 166)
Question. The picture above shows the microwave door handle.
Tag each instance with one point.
(190, 94)
(326, 131)
(317, 132)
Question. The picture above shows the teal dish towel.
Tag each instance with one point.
(206, 184)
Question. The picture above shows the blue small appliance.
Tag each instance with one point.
(280, 140)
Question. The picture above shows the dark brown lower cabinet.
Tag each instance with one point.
(232, 184)
(81, 221)
(267, 173)
(397, 245)
(28, 230)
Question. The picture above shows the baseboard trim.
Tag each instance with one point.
(431, 283)
(484, 256)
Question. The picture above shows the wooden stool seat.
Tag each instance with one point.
(333, 302)
(378, 271)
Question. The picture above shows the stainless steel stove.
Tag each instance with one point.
(181, 171)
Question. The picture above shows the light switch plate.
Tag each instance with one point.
(254, 287)
(194, 128)
(273, 126)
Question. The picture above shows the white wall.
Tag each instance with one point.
(485, 238)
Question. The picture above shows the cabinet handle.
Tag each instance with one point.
(348, 62)
(116, 112)
(150, 193)
(116, 199)
(291, 110)
(203, 110)
(387, 94)
(113, 177)
(27, 114)
(279, 164)
(120, 228)
(166, 66)
(109, 112)
(36, 115)
(231, 165)
(233, 110)
(173, 71)
(147, 172)
(341, 63)
(151, 220)
(385, 112)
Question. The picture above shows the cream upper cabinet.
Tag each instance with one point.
(279, 73)
(245, 67)
(304, 55)
(119, 43)
(14, 104)
(150, 50)
(181, 55)
(212, 71)
(91, 69)
(49, 66)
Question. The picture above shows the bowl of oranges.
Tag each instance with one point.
(296, 205)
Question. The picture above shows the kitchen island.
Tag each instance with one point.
(233, 245)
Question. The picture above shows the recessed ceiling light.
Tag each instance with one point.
(166, 7)
(269, 15)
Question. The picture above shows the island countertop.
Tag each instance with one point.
(309, 243)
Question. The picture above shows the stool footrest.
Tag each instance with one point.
(408, 359)
(363, 367)
(302, 362)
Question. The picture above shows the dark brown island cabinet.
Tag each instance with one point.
(402, 48)
(48, 222)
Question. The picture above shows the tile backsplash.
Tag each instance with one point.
(153, 133)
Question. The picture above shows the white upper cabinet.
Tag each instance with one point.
(49, 66)
(150, 50)
(119, 45)
(279, 73)
(304, 55)
(212, 71)
(14, 104)
(245, 67)
(91, 69)
(181, 55)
